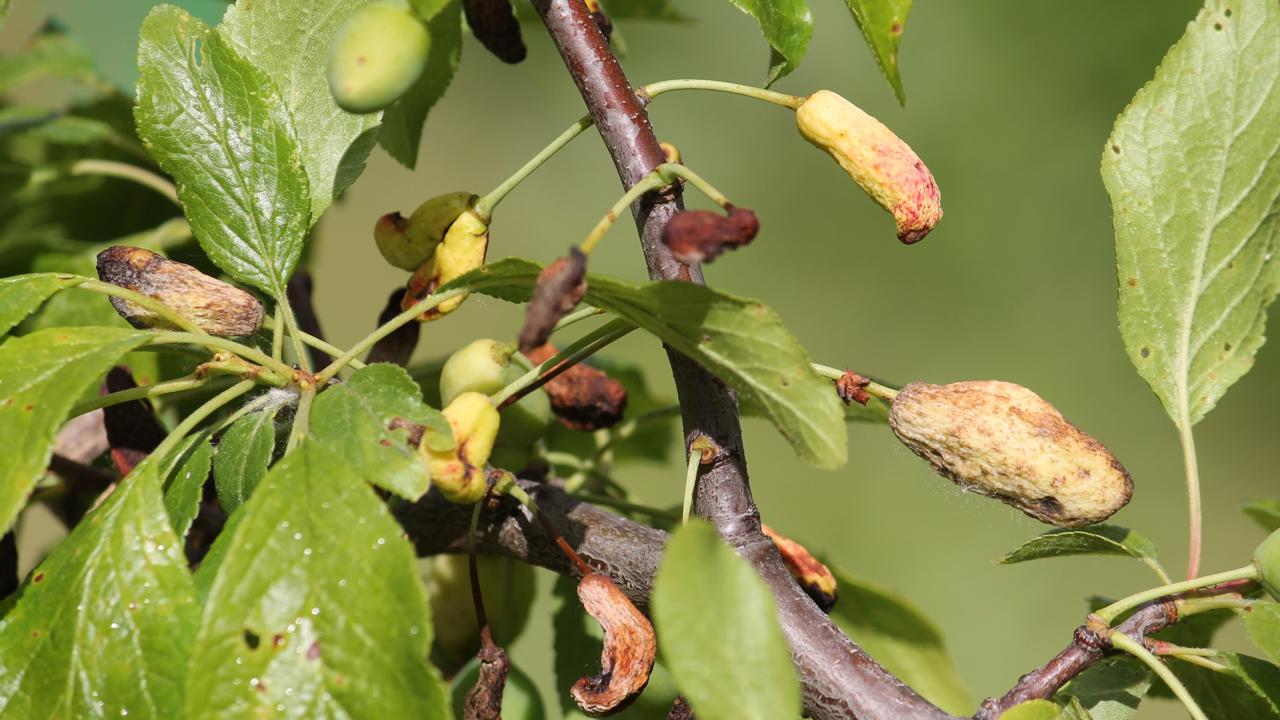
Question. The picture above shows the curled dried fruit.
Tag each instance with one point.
(459, 472)
(808, 571)
(461, 251)
(1267, 558)
(407, 242)
(884, 166)
(560, 288)
(630, 649)
(494, 24)
(210, 304)
(583, 397)
(703, 235)
(1002, 440)
(377, 55)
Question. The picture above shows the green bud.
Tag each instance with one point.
(508, 586)
(377, 55)
(1267, 559)
(485, 367)
(406, 243)
(520, 699)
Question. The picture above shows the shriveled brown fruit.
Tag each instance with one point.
(215, 307)
(560, 288)
(494, 24)
(1004, 441)
(583, 397)
(397, 347)
(133, 431)
(696, 236)
(484, 700)
(808, 571)
(630, 649)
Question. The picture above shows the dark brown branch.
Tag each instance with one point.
(840, 680)
(1086, 648)
(629, 553)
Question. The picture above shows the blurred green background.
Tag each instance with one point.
(1009, 103)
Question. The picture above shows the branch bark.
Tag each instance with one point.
(840, 680)
(629, 553)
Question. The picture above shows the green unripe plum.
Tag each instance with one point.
(377, 55)
(508, 586)
(485, 366)
(520, 698)
(1267, 559)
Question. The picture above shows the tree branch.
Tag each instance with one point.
(840, 680)
(1086, 648)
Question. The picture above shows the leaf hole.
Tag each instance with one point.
(1226, 347)
(1145, 352)
(1217, 26)
(251, 639)
(1115, 148)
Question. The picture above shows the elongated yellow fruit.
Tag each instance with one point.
(1002, 440)
(459, 472)
(462, 250)
(884, 166)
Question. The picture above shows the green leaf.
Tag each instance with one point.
(185, 486)
(219, 126)
(1195, 188)
(741, 341)
(104, 626)
(402, 123)
(1248, 691)
(578, 639)
(51, 53)
(902, 638)
(22, 295)
(244, 452)
(41, 376)
(1110, 690)
(718, 629)
(357, 420)
(1265, 512)
(1033, 710)
(1262, 624)
(1092, 540)
(316, 609)
(787, 26)
(882, 23)
(290, 42)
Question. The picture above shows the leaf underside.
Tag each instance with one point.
(1193, 171)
